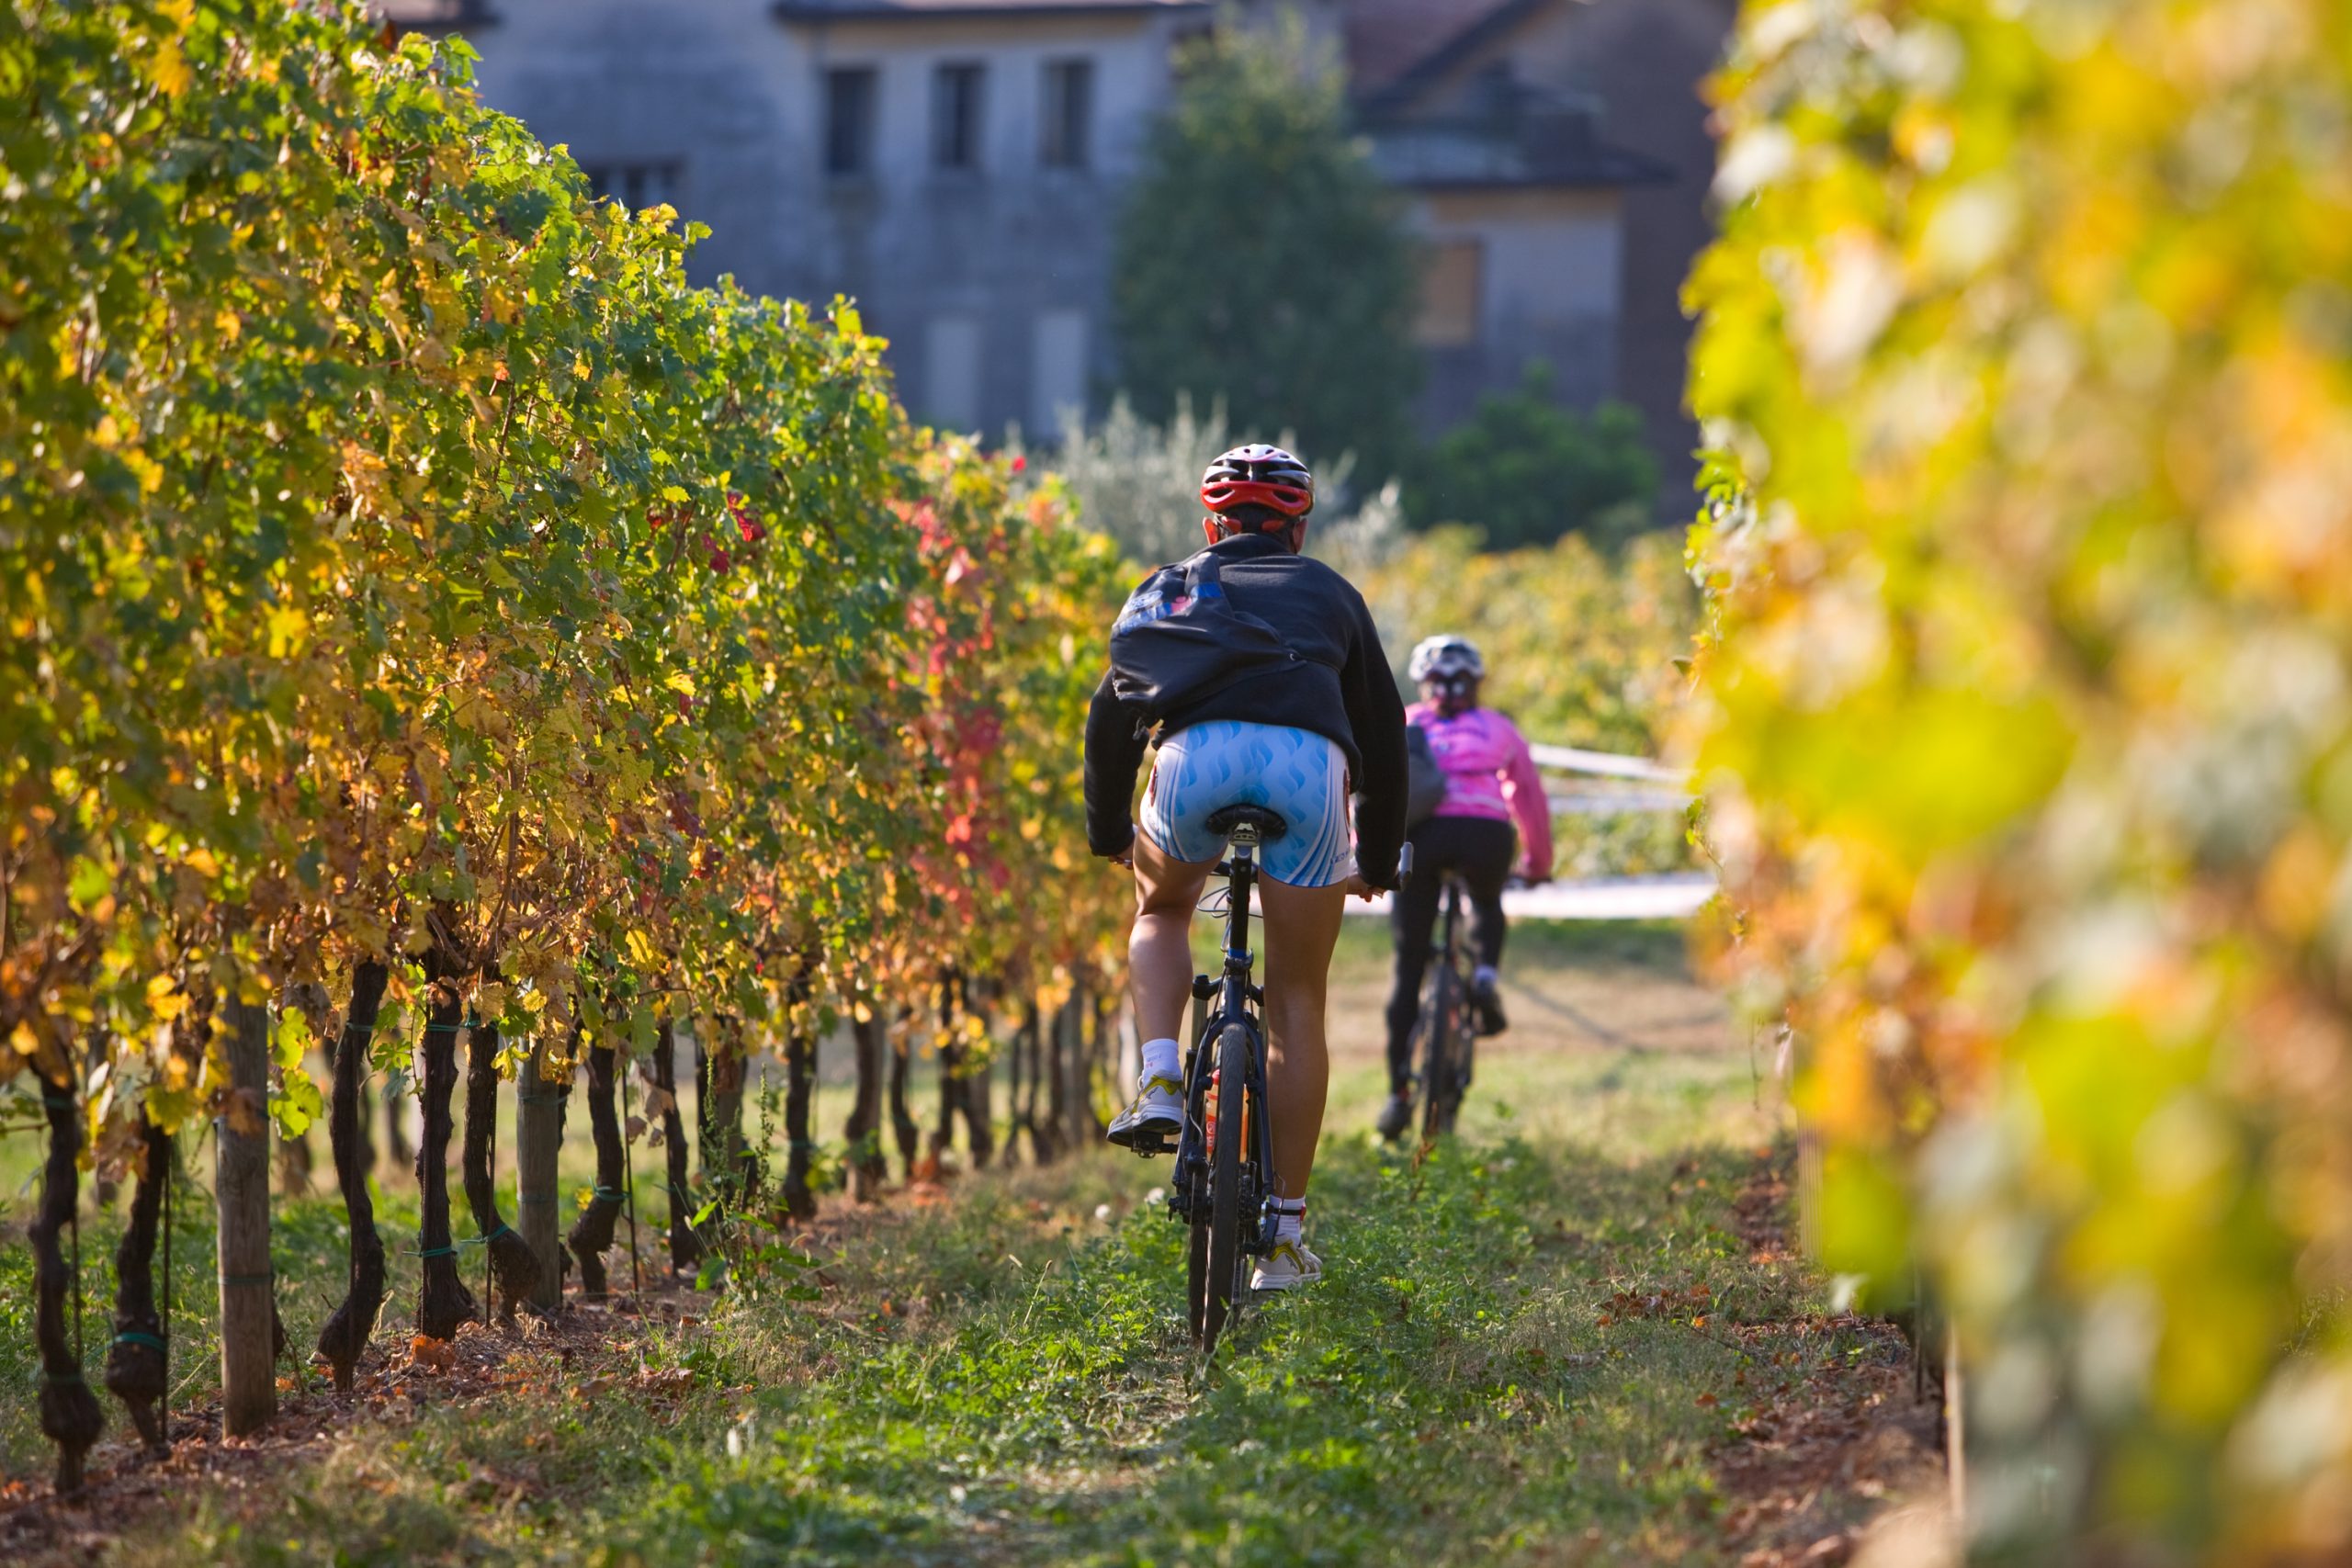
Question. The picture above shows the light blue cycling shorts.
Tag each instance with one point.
(1302, 776)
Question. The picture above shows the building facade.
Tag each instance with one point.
(956, 166)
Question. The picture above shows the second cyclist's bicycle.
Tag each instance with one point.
(1445, 1034)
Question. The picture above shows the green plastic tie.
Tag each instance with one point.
(449, 1251)
(612, 1194)
(61, 1380)
(132, 1336)
(443, 1028)
(498, 1230)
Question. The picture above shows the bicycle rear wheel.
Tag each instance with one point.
(1460, 1034)
(1225, 1255)
(1439, 1095)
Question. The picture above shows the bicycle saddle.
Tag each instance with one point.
(1226, 819)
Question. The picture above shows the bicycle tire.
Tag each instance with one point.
(1437, 1070)
(1224, 1260)
(1196, 1275)
(1461, 1035)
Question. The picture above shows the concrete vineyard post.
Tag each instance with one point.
(540, 1109)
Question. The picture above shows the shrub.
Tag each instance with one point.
(1526, 470)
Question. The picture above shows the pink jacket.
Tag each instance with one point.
(1490, 774)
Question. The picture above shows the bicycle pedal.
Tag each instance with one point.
(1157, 1145)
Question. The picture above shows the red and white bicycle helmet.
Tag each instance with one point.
(1257, 489)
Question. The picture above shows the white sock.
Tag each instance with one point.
(1290, 1218)
(1483, 976)
(1161, 1059)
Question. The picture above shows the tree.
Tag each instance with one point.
(1260, 261)
(1528, 471)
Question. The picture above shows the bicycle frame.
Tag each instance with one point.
(1445, 941)
(1236, 997)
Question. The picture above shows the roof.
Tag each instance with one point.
(932, 10)
(1495, 20)
(1387, 38)
(1448, 157)
(1527, 139)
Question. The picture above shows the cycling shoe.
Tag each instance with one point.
(1288, 1265)
(1486, 1000)
(1152, 1119)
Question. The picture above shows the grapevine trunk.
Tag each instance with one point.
(70, 1417)
(514, 1272)
(135, 1360)
(443, 1302)
(593, 1232)
(344, 1333)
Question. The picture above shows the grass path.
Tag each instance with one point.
(1572, 1336)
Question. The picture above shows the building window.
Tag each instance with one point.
(956, 107)
(1069, 114)
(1056, 368)
(1451, 280)
(951, 373)
(637, 186)
(849, 119)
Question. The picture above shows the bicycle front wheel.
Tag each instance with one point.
(1196, 1276)
(1225, 1255)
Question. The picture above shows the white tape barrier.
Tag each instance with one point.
(1608, 764)
(1608, 803)
(1610, 898)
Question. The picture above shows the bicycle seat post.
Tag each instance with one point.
(1241, 872)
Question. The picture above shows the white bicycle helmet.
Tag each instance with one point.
(1445, 655)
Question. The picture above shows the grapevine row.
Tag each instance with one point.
(431, 613)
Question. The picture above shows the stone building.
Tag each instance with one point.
(956, 166)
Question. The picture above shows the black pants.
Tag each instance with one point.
(1479, 850)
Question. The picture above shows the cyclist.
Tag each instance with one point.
(1289, 732)
(1490, 779)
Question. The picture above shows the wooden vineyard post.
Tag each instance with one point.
(241, 1193)
(1955, 1431)
(540, 1109)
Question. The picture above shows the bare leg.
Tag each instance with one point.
(1160, 952)
(1301, 928)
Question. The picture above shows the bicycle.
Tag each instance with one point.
(1445, 1031)
(1223, 1187)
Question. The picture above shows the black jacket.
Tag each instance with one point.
(1341, 687)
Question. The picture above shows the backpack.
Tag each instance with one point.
(1424, 779)
(1179, 639)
